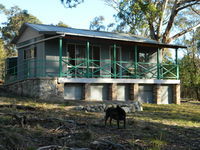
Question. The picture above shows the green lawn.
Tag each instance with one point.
(56, 123)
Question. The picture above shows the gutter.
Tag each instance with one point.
(126, 40)
(39, 41)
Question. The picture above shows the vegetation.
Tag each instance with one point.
(56, 123)
(62, 24)
(15, 18)
(97, 24)
(157, 18)
(190, 67)
(2, 59)
(71, 3)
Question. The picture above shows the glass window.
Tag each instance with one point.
(143, 57)
(71, 53)
(30, 53)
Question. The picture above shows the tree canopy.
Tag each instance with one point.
(97, 24)
(2, 59)
(15, 18)
(62, 24)
(162, 20)
(71, 3)
(190, 67)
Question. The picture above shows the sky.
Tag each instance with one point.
(52, 11)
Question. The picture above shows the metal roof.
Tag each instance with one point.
(51, 29)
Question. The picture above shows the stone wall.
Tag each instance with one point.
(42, 88)
(129, 107)
(47, 88)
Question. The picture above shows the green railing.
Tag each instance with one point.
(81, 68)
(30, 69)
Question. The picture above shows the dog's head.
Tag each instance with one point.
(121, 111)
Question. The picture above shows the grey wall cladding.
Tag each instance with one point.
(146, 93)
(73, 91)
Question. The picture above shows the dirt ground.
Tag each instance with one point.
(27, 124)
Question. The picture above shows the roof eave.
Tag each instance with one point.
(160, 45)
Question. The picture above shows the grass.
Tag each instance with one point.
(158, 127)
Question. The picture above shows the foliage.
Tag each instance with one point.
(158, 19)
(15, 18)
(190, 68)
(62, 24)
(55, 123)
(97, 24)
(2, 59)
(71, 3)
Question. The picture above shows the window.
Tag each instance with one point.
(76, 56)
(143, 57)
(30, 53)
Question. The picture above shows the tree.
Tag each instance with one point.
(62, 24)
(158, 19)
(97, 24)
(15, 18)
(190, 68)
(71, 3)
(2, 60)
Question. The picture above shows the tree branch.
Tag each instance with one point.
(186, 1)
(196, 11)
(160, 23)
(152, 31)
(171, 21)
(184, 32)
(188, 5)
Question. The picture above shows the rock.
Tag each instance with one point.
(50, 147)
(79, 149)
(106, 145)
(56, 147)
(2, 147)
(79, 108)
(126, 109)
(138, 106)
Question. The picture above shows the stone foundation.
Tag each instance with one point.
(176, 95)
(113, 91)
(157, 93)
(42, 88)
(134, 91)
(86, 93)
(47, 88)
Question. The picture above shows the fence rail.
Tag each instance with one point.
(82, 68)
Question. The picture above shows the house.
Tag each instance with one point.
(88, 65)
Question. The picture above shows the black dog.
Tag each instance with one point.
(116, 114)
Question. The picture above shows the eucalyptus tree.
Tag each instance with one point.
(162, 20)
(2, 59)
(97, 24)
(190, 67)
(15, 18)
(71, 3)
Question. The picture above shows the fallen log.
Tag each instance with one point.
(50, 147)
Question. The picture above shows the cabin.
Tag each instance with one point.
(78, 64)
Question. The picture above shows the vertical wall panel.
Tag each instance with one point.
(99, 92)
(146, 93)
(73, 91)
(123, 92)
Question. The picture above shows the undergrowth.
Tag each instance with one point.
(158, 127)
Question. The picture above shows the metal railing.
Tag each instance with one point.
(82, 68)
